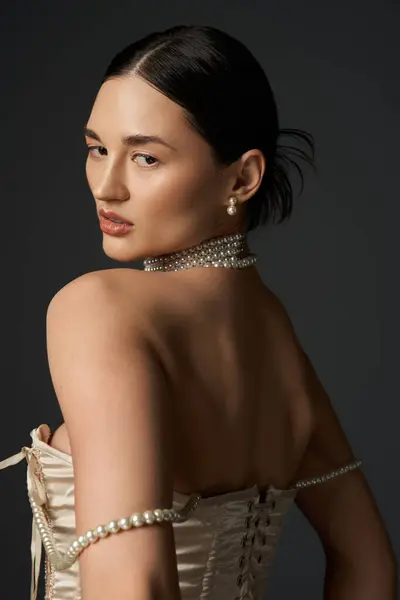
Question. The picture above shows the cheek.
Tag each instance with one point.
(177, 189)
(90, 175)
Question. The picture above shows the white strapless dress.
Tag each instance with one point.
(225, 549)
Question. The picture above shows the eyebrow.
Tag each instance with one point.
(134, 139)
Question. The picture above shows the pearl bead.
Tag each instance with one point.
(169, 514)
(231, 210)
(112, 527)
(149, 517)
(137, 520)
(159, 516)
(101, 531)
(91, 536)
(83, 541)
(125, 523)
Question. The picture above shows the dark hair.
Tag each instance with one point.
(227, 98)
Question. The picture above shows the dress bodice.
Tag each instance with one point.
(224, 549)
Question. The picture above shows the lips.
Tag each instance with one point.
(109, 214)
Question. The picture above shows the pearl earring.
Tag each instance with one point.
(231, 210)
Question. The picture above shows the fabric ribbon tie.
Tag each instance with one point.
(37, 492)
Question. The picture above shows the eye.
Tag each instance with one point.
(100, 148)
(149, 161)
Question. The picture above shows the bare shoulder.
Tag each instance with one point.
(119, 291)
(111, 280)
(279, 312)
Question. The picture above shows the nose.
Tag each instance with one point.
(109, 184)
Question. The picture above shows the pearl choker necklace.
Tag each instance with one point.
(223, 251)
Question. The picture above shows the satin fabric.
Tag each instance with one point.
(224, 550)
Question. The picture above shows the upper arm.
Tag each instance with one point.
(113, 396)
(342, 510)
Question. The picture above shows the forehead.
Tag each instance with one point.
(129, 105)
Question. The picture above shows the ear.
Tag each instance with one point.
(250, 169)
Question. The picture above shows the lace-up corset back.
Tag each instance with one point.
(225, 544)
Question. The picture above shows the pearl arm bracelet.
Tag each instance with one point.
(341, 471)
(148, 517)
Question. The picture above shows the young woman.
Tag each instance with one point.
(193, 419)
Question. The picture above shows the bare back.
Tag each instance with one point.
(241, 416)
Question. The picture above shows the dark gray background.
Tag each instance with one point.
(334, 67)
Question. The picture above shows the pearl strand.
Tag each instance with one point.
(149, 517)
(314, 480)
(222, 251)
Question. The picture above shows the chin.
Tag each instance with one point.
(117, 249)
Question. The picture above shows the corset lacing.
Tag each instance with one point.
(253, 542)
